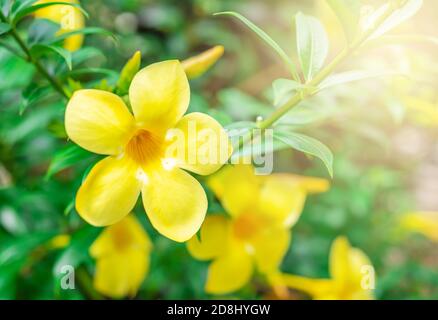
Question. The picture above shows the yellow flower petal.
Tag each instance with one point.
(339, 261)
(229, 272)
(425, 223)
(214, 238)
(237, 188)
(98, 121)
(358, 260)
(109, 192)
(349, 278)
(175, 203)
(126, 234)
(121, 274)
(270, 247)
(122, 254)
(321, 289)
(69, 18)
(312, 185)
(346, 265)
(282, 198)
(283, 195)
(199, 143)
(198, 65)
(160, 95)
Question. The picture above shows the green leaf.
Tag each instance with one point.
(408, 10)
(14, 254)
(4, 28)
(5, 7)
(352, 76)
(284, 89)
(242, 106)
(86, 53)
(239, 129)
(91, 72)
(348, 12)
(312, 44)
(19, 5)
(31, 96)
(77, 251)
(307, 145)
(38, 49)
(8, 275)
(85, 31)
(27, 10)
(65, 158)
(18, 248)
(41, 30)
(267, 39)
(69, 208)
(305, 113)
(12, 221)
(241, 125)
(260, 146)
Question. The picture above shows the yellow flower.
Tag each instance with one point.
(198, 65)
(122, 258)
(58, 242)
(425, 223)
(147, 151)
(424, 111)
(69, 18)
(352, 276)
(262, 210)
(331, 24)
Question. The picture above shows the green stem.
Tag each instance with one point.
(53, 81)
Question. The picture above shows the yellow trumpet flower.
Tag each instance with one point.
(352, 276)
(196, 66)
(122, 258)
(425, 223)
(262, 210)
(69, 18)
(147, 151)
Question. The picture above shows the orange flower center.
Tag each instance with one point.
(121, 237)
(145, 147)
(247, 225)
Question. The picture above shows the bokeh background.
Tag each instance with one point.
(383, 133)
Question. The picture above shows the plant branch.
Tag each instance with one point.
(53, 81)
(324, 73)
(321, 76)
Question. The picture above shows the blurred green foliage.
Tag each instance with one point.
(373, 178)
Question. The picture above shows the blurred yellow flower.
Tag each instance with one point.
(262, 210)
(196, 66)
(425, 223)
(69, 18)
(147, 151)
(58, 242)
(352, 276)
(423, 111)
(331, 24)
(122, 258)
